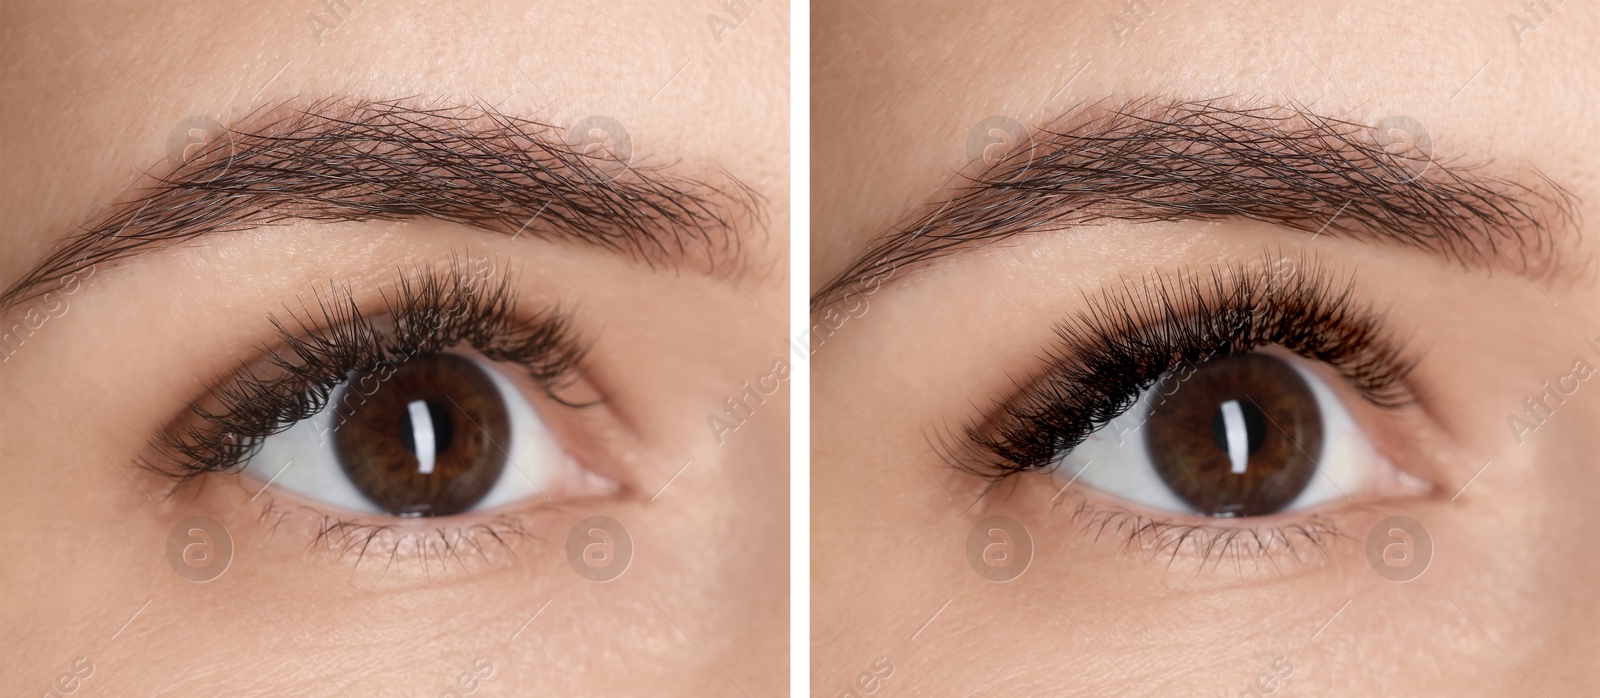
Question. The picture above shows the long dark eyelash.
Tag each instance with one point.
(430, 310)
(1109, 354)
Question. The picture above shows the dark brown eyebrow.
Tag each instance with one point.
(1206, 160)
(362, 160)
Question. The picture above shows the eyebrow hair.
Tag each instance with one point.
(364, 160)
(1149, 161)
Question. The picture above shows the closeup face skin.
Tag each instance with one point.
(930, 579)
(315, 599)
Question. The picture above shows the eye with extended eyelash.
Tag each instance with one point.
(1126, 341)
(419, 427)
(1219, 380)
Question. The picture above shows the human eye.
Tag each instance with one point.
(1244, 435)
(436, 434)
(437, 405)
(1194, 407)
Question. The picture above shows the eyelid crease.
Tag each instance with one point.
(430, 310)
(1106, 355)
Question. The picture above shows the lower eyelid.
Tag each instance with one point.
(280, 526)
(1273, 545)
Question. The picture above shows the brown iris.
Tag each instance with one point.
(425, 437)
(1238, 437)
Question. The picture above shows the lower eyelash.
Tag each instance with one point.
(363, 543)
(1304, 542)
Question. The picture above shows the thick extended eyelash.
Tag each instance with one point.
(1126, 340)
(431, 310)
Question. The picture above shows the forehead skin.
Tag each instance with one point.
(891, 126)
(84, 115)
(557, 63)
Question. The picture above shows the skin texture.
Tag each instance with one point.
(1505, 607)
(702, 608)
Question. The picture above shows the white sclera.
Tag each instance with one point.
(536, 467)
(1115, 461)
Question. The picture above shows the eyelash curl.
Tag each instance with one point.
(430, 310)
(1126, 339)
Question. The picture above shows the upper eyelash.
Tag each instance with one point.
(431, 310)
(1107, 355)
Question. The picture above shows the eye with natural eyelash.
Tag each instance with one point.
(430, 310)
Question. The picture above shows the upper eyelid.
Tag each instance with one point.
(318, 162)
(1280, 164)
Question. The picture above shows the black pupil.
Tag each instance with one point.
(376, 437)
(1190, 444)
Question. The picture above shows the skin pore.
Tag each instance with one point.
(1123, 599)
(375, 606)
